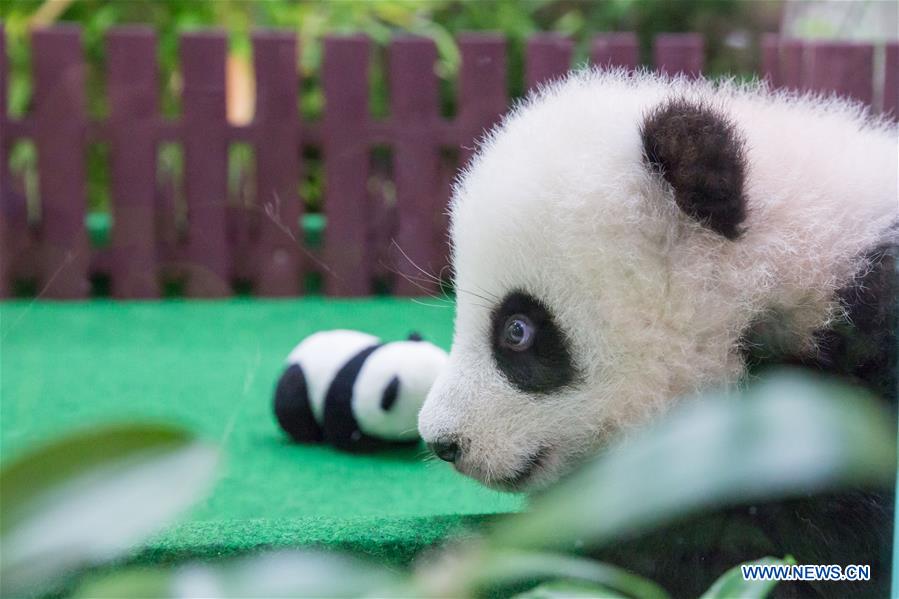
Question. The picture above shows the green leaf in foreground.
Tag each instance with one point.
(130, 582)
(476, 569)
(272, 575)
(567, 589)
(732, 586)
(91, 496)
(505, 567)
(786, 435)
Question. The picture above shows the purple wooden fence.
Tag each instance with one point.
(60, 116)
(132, 87)
(262, 243)
(844, 68)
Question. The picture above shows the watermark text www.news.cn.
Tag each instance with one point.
(807, 572)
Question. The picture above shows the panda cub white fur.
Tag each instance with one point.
(351, 390)
(622, 240)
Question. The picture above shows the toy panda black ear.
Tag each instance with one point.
(414, 336)
(701, 155)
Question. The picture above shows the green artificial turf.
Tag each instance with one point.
(211, 366)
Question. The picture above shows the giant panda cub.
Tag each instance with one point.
(351, 390)
(642, 239)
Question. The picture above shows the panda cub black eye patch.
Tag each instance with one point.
(528, 347)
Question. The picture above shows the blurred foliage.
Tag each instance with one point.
(89, 497)
(723, 447)
(380, 19)
(84, 500)
(732, 583)
(726, 24)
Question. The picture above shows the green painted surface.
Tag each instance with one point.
(211, 367)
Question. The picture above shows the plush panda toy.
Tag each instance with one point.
(623, 240)
(351, 390)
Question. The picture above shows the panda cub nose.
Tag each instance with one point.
(446, 450)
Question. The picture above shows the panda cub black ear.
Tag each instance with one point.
(699, 152)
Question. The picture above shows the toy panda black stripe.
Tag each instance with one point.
(350, 390)
(292, 407)
(339, 419)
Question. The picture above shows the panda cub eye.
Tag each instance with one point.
(518, 333)
(528, 347)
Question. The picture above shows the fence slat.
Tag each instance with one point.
(676, 53)
(5, 271)
(346, 156)
(547, 57)
(482, 88)
(21, 258)
(615, 50)
(770, 63)
(891, 79)
(205, 164)
(414, 107)
(169, 249)
(132, 88)
(277, 164)
(792, 65)
(60, 123)
(244, 219)
(844, 68)
(5, 182)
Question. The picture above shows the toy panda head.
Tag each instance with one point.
(391, 386)
(614, 240)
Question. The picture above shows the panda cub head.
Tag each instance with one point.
(615, 238)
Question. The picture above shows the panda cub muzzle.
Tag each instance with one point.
(450, 450)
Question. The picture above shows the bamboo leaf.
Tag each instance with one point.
(566, 589)
(731, 585)
(132, 582)
(272, 575)
(787, 435)
(91, 496)
(508, 567)
(476, 569)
